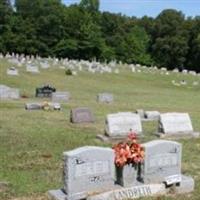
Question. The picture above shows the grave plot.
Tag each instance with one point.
(90, 173)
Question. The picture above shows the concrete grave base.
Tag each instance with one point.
(178, 135)
(56, 195)
(186, 185)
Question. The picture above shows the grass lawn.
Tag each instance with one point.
(32, 142)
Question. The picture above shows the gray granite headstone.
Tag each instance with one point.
(88, 170)
(120, 124)
(60, 96)
(162, 162)
(105, 98)
(82, 115)
(175, 124)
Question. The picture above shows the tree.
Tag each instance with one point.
(170, 42)
(90, 5)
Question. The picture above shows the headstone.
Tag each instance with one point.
(175, 124)
(162, 162)
(45, 91)
(60, 97)
(33, 106)
(32, 69)
(105, 98)
(88, 170)
(152, 115)
(120, 124)
(81, 115)
(9, 93)
(12, 71)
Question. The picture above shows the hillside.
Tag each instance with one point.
(32, 142)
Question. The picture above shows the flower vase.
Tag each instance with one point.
(126, 175)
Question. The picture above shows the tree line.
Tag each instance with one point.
(81, 31)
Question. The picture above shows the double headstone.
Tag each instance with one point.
(89, 173)
(120, 124)
(81, 115)
(175, 124)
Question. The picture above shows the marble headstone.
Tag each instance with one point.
(81, 115)
(88, 170)
(120, 124)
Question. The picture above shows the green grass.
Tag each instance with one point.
(32, 143)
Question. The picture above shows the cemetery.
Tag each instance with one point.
(86, 128)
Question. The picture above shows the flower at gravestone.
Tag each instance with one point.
(45, 105)
(129, 151)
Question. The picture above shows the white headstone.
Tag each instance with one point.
(119, 124)
(175, 123)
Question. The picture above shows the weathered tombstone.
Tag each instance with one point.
(81, 115)
(152, 115)
(120, 124)
(162, 162)
(105, 98)
(12, 71)
(87, 170)
(45, 91)
(9, 93)
(60, 96)
(175, 124)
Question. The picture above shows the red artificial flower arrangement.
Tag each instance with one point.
(128, 152)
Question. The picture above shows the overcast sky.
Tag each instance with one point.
(151, 8)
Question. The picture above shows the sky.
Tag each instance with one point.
(150, 8)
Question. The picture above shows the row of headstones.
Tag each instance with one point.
(119, 124)
(90, 172)
(93, 66)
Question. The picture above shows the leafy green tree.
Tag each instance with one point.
(90, 5)
(170, 42)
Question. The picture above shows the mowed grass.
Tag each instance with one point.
(32, 142)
